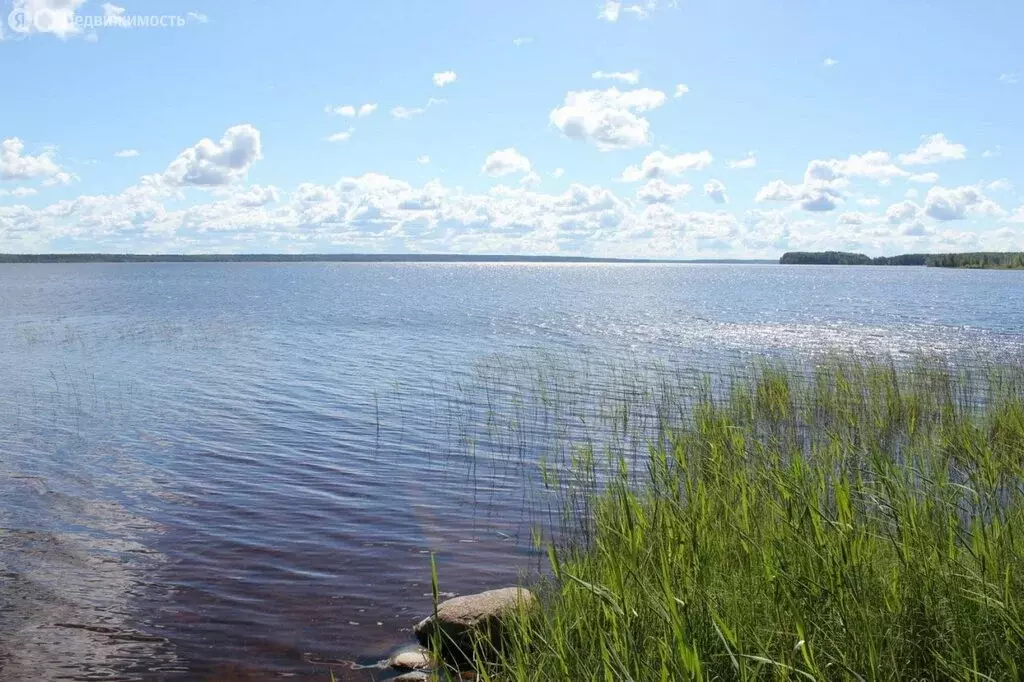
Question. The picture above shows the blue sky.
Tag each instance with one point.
(735, 128)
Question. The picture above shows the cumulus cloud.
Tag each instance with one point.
(957, 203)
(444, 78)
(531, 179)
(1008, 78)
(56, 17)
(423, 160)
(925, 178)
(16, 165)
(558, 172)
(610, 11)
(934, 149)
(902, 212)
(126, 153)
(343, 136)
(809, 196)
(660, 165)
(829, 62)
(608, 118)
(825, 180)
(750, 161)
(211, 164)
(505, 162)
(681, 90)
(631, 77)
(518, 42)
(350, 110)
(658, 191)
(853, 218)
(401, 112)
(19, 192)
(715, 190)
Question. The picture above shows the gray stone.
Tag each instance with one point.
(413, 658)
(462, 620)
(415, 676)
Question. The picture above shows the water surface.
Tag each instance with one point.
(239, 471)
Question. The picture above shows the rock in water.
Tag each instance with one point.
(415, 676)
(413, 658)
(462, 620)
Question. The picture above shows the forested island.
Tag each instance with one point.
(989, 260)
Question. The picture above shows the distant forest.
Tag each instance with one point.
(286, 258)
(980, 260)
(327, 257)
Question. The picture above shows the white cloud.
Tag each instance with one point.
(1008, 78)
(16, 165)
(522, 41)
(343, 136)
(934, 149)
(869, 201)
(631, 77)
(401, 112)
(558, 172)
(660, 165)
(198, 17)
(715, 190)
(350, 110)
(1000, 185)
(809, 196)
(658, 191)
(829, 62)
(56, 17)
(608, 118)
(19, 192)
(992, 153)
(957, 203)
(853, 218)
(114, 15)
(875, 165)
(444, 78)
(610, 11)
(126, 153)
(925, 178)
(210, 164)
(681, 89)
(903, 212)
(530, 180)
(423, 160)
(505, 162)
(750, 161)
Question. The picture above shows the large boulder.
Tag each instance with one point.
(463, 621)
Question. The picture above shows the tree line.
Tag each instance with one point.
(980, 260)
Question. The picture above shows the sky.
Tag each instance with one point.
(646, 128)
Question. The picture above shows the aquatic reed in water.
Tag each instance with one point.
(854, 522)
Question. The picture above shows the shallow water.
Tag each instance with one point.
(239, 471)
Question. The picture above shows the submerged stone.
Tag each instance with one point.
(415, 676)
(413, 658)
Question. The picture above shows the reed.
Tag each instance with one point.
(855, 521)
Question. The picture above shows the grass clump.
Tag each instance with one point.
(857, 522)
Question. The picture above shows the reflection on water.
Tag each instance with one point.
(240, 471)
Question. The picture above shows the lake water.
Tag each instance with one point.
(239, 471)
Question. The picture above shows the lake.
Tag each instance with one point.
(240, 471)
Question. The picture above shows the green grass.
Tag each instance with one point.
(858, 522)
